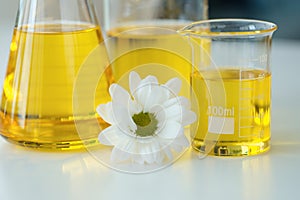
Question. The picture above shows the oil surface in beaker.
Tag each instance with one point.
(36, 108)
(242, 120)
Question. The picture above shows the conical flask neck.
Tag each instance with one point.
(32, 12)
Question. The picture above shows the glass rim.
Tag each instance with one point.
(203, 28)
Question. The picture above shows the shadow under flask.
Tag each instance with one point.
(51, 40)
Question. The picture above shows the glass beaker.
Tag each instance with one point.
(137, 36)
(232, 82)
(51, 40)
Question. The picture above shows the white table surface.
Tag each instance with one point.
(30, 175)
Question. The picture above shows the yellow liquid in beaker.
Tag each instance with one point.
(37, 100)
(244, 115)
(163, 54)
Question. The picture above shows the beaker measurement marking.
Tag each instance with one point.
(246, 117)
(247, 89)
(245, 108)
(254, 60)
(220, 111)
(263, 58)
(259, 97)
(246, 98)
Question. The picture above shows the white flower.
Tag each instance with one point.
(147, 125)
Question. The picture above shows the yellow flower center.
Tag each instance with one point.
(146, 124)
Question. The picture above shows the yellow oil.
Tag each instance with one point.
(157, 51)
(246, 109)
(37, 99)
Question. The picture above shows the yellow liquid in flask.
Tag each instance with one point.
(241, 122)
(37, 99)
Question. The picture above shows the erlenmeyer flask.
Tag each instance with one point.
(51, 40)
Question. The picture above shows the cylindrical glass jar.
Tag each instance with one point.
(142, 36)
(232, 83)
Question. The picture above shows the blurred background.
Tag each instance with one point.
(285, 13)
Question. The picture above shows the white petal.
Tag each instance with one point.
(143, 93)
(122, 118)
(128, 145)
(110, 136)
(182, 101)
(157, 96)
(119, 95)
(174, 113)
(156, 147)
(135, 108)
(117, 155)
(149, 79)
(180, 143)
(159, 157)
(168, 152)
(147, 154)
(138, 159)
(189, 117)
(144, 88)
(105, 112)
(134, 81)
(174, 85)
(160, 115)
(177, 109)
(171, 130)
(180, 115)
(165, 147)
